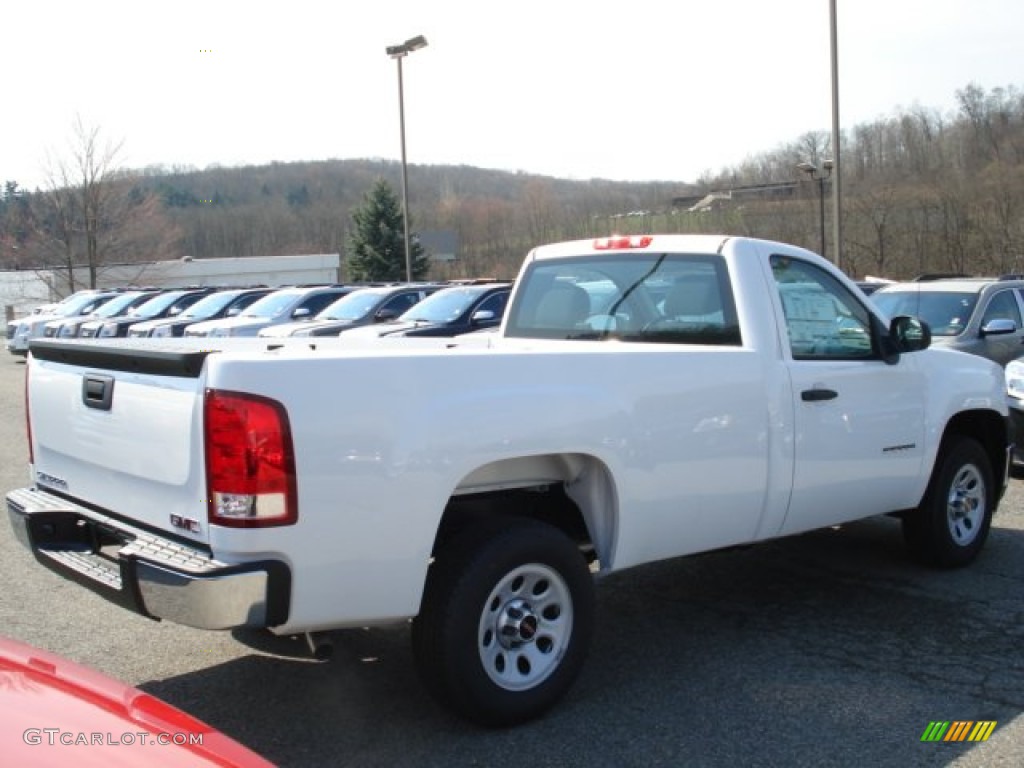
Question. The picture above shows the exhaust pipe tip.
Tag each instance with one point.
(320, 645)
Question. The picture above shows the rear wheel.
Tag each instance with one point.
(506, 621)
(950, 526)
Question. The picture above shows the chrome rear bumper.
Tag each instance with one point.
(153, 575)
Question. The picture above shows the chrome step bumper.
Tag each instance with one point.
(156, 576)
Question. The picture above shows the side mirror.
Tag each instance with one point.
(300, 313)
(909, 334)
(998, 327)
(384, 315)
(482, 316)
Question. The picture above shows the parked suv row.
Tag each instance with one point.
(281, 306)
(225, 303)
(34, 326)
(362, 307)
(443, 309)
(68, 328)
(165, 304)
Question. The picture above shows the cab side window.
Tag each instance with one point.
(402, 302)
(1003, 306)
(824, 320)
(494, 303)
(318, 301)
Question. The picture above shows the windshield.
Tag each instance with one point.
(354, 306)
(649, 297)
(273, 305)
(946, 312)
(210, 305)
(76, 306)
(445, 306)
(119, 304)
(156, 305)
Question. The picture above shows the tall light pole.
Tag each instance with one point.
(837, 182)
(399, 52)
(819, 175)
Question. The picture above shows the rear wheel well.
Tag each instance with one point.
(547, 503)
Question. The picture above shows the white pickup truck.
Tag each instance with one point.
(645, 398)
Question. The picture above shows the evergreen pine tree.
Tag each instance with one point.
(376, 241)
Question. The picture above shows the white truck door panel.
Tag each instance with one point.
(858, 449)
(859, 422)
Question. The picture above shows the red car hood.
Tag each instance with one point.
(54, 712)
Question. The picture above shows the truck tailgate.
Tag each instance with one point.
(120, 429)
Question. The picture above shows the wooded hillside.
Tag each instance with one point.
(922, 192)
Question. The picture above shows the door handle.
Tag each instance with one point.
(816, 395)
(97, 391)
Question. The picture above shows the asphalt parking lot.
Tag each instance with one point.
(830, 649)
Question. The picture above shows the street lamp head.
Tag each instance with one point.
(410, 45)
(814, 172)
(415, 43)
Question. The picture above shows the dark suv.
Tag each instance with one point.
(982, 316)
(361, 307)
(451, 311)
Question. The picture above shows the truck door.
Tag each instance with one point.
(858, 422)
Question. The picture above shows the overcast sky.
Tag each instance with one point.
(640, 90)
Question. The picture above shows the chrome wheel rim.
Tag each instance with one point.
(965, 505)
(525, 627)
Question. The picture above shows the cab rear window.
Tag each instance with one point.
(649, 297)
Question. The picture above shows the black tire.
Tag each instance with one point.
(506, 621)
(949, 528)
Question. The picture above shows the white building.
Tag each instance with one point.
(22, 291)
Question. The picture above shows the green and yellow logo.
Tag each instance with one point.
(958, 730)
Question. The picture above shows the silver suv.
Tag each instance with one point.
(982, 316)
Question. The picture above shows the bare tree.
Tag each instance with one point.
(92, 166)
(57, 218)
(871, 214)
(91, 213)
(814, 147)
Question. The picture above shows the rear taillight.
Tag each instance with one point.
(250, 462)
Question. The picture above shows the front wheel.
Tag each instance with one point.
(950, 526)
(506, 621)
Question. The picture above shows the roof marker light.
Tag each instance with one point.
(620, 242)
